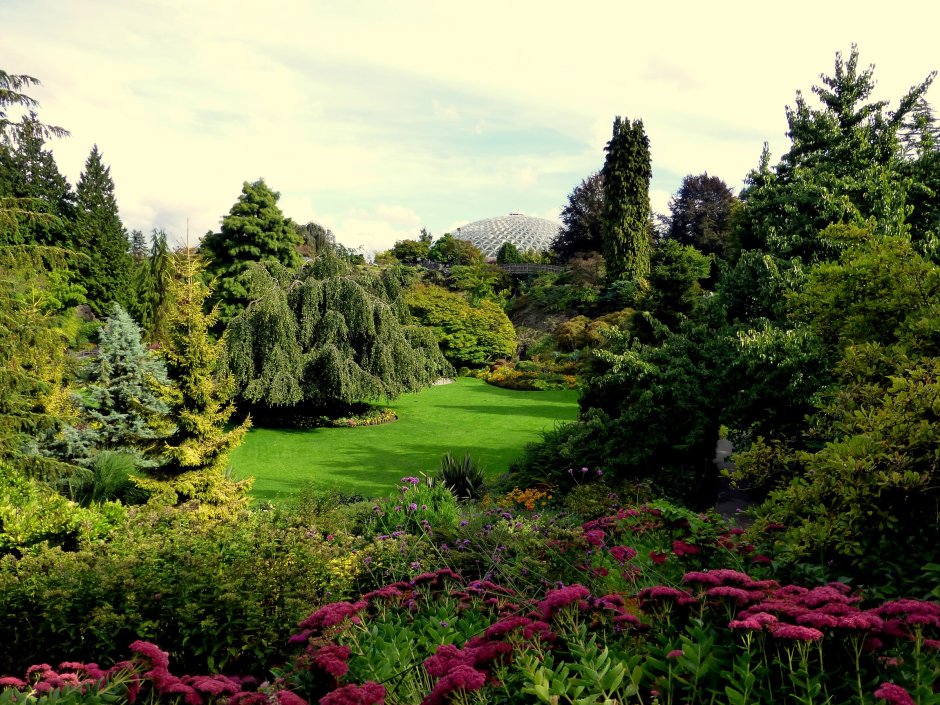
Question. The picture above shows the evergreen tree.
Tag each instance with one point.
(29, 173)
(328, 337)
(255, 230)
(582, 219)
(626, 175)
(197, 451)
(124, 409)
(34, 360)
(138, 244)
(100, 236)
(151, 288)
(700, 214)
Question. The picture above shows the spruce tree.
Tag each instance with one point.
(197, 451)
(626, 176)
(125, 410)
(255, 230)
(29, 174)
(100, 236)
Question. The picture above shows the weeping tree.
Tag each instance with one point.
(327, 337)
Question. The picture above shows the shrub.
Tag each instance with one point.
(469, 335)
(464, 478)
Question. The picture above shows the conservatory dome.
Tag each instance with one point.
(524, 231)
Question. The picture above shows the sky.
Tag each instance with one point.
(377, 118)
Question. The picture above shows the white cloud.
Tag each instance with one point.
(370, 103)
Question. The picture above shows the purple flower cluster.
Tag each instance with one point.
(148, 671)
(369, 693)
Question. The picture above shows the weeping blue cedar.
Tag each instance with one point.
(328, 336)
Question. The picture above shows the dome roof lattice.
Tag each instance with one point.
(524, 231)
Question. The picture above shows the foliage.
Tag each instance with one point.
(675, 277)
(509, 254)
(151, 304)
(315, 237)
(626, 177)
(843, 167)
(99, 235)
(700, 214)
(255, 230)
(123, 408)
(31, 180)
(218, 593)
(33, 515)
(411, 251)
(532, 375)
(479, 281)
(464, 477)
(197, 451)
(448, 249)
(326, 337)
(468, 335)
(34, 364)
(582, 219)
(12, 88)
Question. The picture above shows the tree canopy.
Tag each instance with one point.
(328, 336)
(255, 230)
(626, 176)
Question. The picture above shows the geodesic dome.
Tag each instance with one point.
(524, 231)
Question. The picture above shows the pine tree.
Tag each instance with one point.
(255, 230)
(200, 401)
(626, 175)
(106, 274)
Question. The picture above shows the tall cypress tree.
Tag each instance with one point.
(101, 237)
(255, 230)
(151, 288)
(626, 175)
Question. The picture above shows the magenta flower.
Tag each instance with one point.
(329, 616)
(675, 653)
(286, 697)
(11, 682)
(681, 548)
(894, 694)
(795, 632)
(369, 693)
(595, 537)
(739, 595)
(556, 600)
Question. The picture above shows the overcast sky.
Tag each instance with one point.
(377, 118)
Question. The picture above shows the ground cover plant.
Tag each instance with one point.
(467, 416)
(648, 603)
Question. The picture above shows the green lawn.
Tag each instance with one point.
(493, 424)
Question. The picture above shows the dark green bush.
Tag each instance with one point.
(464, 478)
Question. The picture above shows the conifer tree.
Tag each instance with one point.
(255, 230)
(197, 451)
(626, 176)
(28, 173)
(125, 411)
(151, 288)
(106, 274)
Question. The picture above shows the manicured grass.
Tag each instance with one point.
(490, 423)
